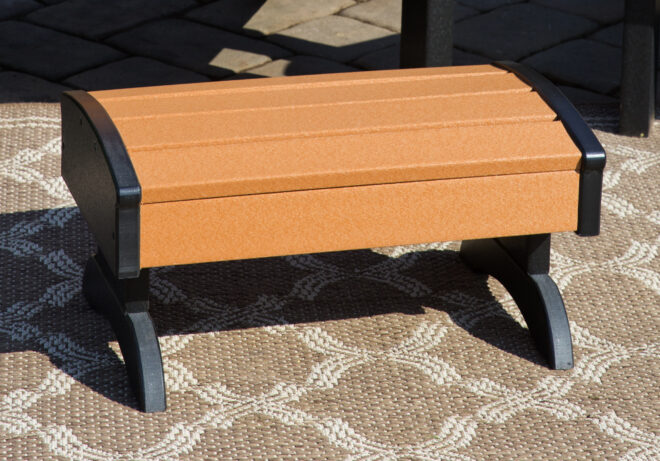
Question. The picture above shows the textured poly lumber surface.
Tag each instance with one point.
(399, 352)
(348, 218)
(244, 137)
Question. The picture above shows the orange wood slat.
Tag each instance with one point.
(369, 117)
(375, 158)
(207, 103)
(263, 225)
(222, 139)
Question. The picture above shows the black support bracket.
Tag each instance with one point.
(125, 303)
(521, 264)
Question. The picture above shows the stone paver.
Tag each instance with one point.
(335, 37)
(133, 72)
(300, 65)
(462, 12)
(612, 35)
(387, 13)
(580, 96)
(603, 11)
(388, 58)
(125, 43)
(486, 5)
(19, 87)
(385, 58)
(197, 47)
(12, 8)
(584, 63)
(517, 31)
(99, 19)
(463, 58)
(47, 53)
(258, 18)
(382, 13)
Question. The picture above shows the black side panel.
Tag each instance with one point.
(426, 33)
(101, 178)
(593, 154)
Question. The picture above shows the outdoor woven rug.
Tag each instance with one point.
(391, 354)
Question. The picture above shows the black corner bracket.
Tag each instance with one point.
(102, 180)
(593, 154)
(521, 264)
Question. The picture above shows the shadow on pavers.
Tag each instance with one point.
(16, 86)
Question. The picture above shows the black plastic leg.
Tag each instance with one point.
(426, 33)
(125, 303)
(638, 68)
(521, 264)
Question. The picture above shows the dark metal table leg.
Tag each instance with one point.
(125, 303)
(521, 264)
(638, 68)
(426, 33)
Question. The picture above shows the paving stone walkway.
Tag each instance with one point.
(47, 46)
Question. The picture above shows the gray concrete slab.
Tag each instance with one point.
(20, 87)
(516, 31)
(603, 11)
(301, 65)
(13, 8)
(197, 47)
(133, 72)
(584, 63)
(336, 38)
(381, 13)
(259, 17)
(49, 54)
(100, 19)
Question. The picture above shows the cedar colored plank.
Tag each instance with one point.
(375, 158)
(253, 226)
(202, 104)
(368, 117)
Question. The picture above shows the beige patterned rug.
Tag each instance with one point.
(392, 354)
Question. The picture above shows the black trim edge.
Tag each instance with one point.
(102, 180)
(593, 155)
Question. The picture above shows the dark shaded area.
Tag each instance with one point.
(44, 253)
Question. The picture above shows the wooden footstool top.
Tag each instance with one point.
(282, 134)
(266, 167)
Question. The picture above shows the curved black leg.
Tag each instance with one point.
(125, 304)
(521, 264)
